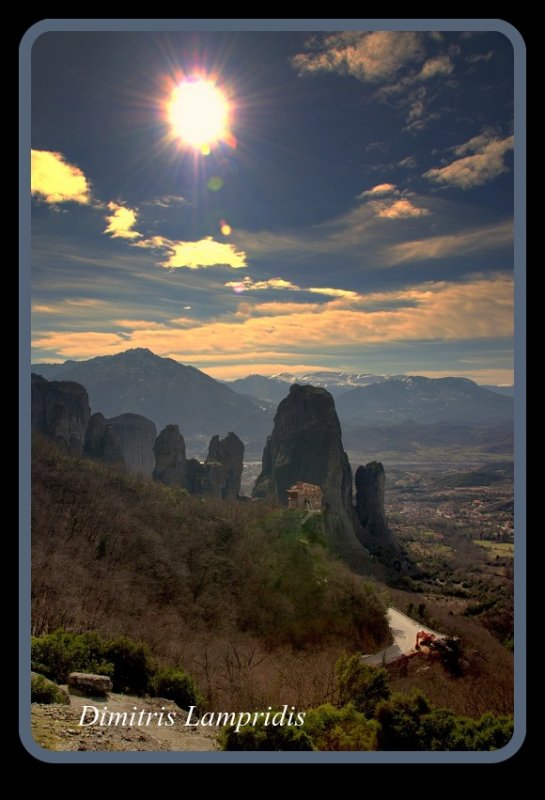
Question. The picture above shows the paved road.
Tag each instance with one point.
(404, 630)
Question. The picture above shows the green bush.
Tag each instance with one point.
(61, 652)
(132, 665)
(126, 662)
(408, 723)
(42, 690)
(174, 684)
(269, 737)
(340, 729)
(361, 685)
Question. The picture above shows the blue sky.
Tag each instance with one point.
(357, 214)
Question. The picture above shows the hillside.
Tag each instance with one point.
(120, 554)
(166, 392)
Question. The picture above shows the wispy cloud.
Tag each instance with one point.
(486, 160)
(247, 284)
(121, 222)
(373, 57)
(441, 65)
(54, 180)
(488, 238)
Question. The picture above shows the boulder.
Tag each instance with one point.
(89, 684)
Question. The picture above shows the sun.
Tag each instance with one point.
(199, 114)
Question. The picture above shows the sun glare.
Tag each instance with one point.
(199, 114)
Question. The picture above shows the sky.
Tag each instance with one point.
(346, 204)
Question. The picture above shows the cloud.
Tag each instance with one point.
(56, 181)
(167, 201)
(121, 222)
(407, 163)
(441, 65)
(203, 253)
(476, 57)
(372, 57)
(478, 308)
(378, 191)
(400, 209)
(484, 164)
(247, 284)
(475, 240)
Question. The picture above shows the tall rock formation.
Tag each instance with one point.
(375, 532)
(101, 442)
(228, 452)
(170, 461)
(220, 474)
(60, 410)
(306, 445)
(126, 439)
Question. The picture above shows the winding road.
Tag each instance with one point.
(404, 630)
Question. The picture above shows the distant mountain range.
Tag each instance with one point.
(374, 410)
(167, 392)
(272, 387)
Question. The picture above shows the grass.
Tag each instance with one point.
(502, 549)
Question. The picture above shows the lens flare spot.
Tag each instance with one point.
(226, 229)
(214, 183)
(238, 288)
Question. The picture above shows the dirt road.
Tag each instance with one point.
(404, 630)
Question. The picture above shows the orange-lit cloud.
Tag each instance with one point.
(485, 162)
(431, 311)
(379, 191)
(121, 222)
(442, 65)
(400, 209)
(54, 180)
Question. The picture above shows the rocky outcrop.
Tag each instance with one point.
(375, 533)
(306, 445)
(100, 441)
(228, 452)
(60, 410)
(170, 460)
(220, 474)
(136, 436)
(127, 439)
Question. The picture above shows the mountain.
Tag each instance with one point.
(508, 391)
(424, 400)
(168, 393)
(273, 387)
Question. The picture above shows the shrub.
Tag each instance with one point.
(132, 665)
(61, 652)
(361, 685)
(399, 720)
(269, 737)
(43, 690)
(340, 728)
(174, 684)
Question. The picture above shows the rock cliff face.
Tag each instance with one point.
(306, 445)
(219, 476)
(170, 460)
(101, 442)
(136, 436)
(127, 439)
(375, 533)
(228, 452)
(60, 409)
